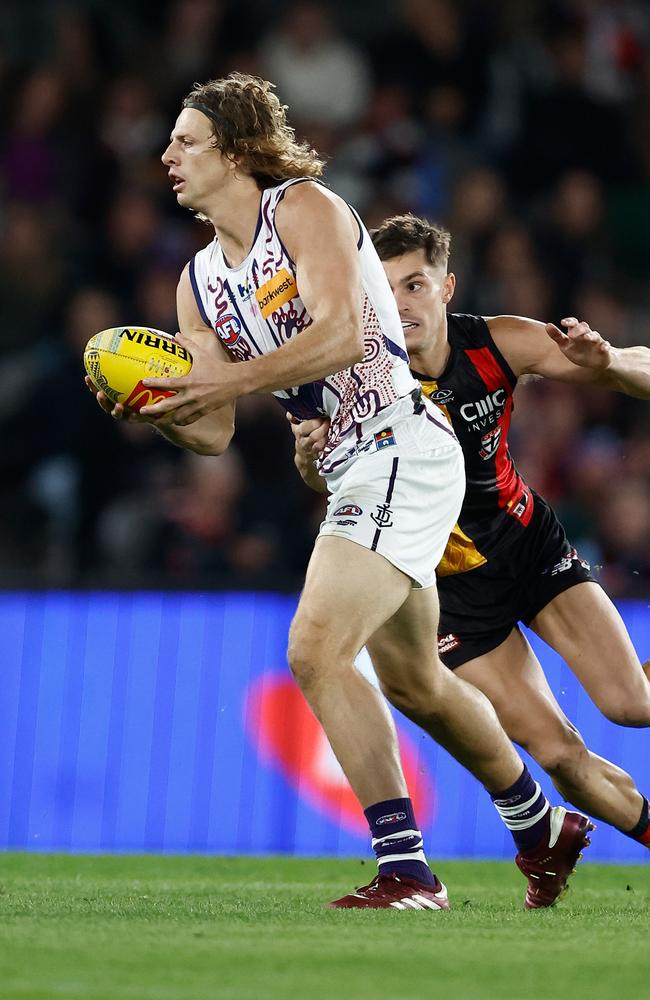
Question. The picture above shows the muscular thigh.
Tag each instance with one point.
(585, 628)
(403, 651)
(513, 680)
(349, 593)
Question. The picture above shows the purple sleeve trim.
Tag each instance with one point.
(197, 296)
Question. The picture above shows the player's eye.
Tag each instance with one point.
(414, 286)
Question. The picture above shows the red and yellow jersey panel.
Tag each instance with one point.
(475, 394)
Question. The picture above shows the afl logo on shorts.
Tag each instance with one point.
(228, 329)
(348, 510)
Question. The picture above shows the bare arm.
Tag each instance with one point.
(320, 233)
(211, 434)
(576, 354)
(310, 437)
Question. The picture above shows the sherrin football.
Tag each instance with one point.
(117, 360)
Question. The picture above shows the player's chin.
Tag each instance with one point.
(184, 199)
(414, 338)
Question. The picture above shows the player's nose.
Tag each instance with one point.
(167, 157)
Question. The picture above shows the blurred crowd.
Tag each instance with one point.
(523, 126)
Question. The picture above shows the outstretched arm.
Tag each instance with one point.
(575, 354)
(320, 234)
(624, 368)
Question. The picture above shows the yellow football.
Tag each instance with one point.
(117, 361)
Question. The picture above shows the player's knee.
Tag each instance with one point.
(309, 653)
(626, 703)
(627, 711)
(414, 699)
(302, 662)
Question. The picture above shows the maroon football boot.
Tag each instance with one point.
(549, 865)
(397, 892)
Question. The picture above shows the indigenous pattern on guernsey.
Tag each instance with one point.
(256, 307)
(475, 394)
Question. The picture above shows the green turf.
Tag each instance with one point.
(200, 928)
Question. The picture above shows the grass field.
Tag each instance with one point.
(202, 928)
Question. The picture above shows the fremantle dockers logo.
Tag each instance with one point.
(490, 444)
(383, 518)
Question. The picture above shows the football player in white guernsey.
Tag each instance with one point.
(531, 573)
(291, 298)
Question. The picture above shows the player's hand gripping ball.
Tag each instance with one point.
(117, 361)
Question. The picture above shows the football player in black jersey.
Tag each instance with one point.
(508, 559)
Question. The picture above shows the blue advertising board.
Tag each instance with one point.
(170, 722)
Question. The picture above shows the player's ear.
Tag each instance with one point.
(448, 287)
(234, 164)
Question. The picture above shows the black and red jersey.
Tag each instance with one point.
(475, 393)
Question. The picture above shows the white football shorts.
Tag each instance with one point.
(401, 496)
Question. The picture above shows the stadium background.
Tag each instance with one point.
(523, 126)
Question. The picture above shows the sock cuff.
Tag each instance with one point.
(524, 785)
(383, 817)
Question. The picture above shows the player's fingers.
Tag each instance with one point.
(313, 424)
(302, 439)
(569, 321)
(187, 341)
(555, 333)
(123, 413)
(105, 403)
(162, 407)
(317, 440)
(584, 330)
(165, 383)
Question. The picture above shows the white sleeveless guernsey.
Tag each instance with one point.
(256, 307)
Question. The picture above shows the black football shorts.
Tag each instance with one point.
(479, 608)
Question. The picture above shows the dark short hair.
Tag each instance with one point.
(404, 233)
